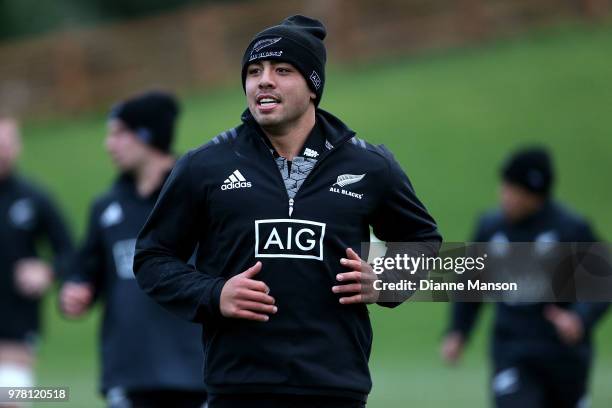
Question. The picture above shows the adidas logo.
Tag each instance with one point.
(311, 153)
(234, 181)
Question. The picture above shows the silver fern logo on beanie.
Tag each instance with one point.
(260, 45)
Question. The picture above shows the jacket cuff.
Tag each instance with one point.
(209, 304)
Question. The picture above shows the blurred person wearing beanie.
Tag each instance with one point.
(28, 217)
(528, 177)
(278, 208)
(541, 352)
(150, 358)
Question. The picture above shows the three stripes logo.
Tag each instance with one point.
(234, 181)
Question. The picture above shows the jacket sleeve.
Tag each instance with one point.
(53, 228)
(400, 215)
(165, 244)
(402, 221)
(591, 313)
(89, 263)
(463, 315)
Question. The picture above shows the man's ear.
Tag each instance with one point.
(313, 96)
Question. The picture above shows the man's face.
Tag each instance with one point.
(125, 149)
(517, 202)
(10, 146)
(277, 94)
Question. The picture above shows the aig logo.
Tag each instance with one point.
(289, 238)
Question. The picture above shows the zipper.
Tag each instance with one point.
(279, 176)
(282, 181)
(290, 207)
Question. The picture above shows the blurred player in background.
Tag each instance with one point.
(541, 352)
(150, 358)
(27, 217)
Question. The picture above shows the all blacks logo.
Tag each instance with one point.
(289, 238)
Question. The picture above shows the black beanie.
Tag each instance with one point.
(530, 168)
(297, 40)
(151, 116)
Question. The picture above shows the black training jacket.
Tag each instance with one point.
(143, 346)
(28, 217)
(521, 333)
(241, 203)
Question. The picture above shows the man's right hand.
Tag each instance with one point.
(452, 347)
(243, 297)
(75, 298)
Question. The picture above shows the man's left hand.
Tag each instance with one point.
(568, 324)
(357, 286)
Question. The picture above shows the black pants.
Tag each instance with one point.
(280, 401)
(117, 398)
(523, 386)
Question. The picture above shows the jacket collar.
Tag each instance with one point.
(328, 132)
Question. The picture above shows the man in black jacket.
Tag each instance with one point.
(541, 351)
(150, 358)
(279, 207)
(27, 217)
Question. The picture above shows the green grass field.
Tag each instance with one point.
(450, 118)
